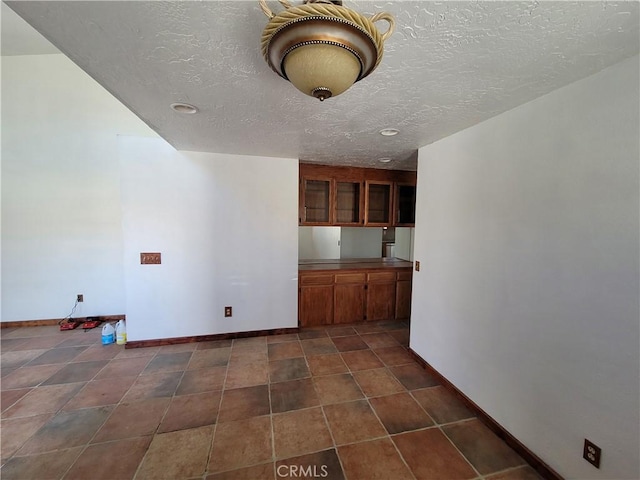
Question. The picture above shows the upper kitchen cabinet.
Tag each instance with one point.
(316, 196)
(405, 205)
(348, 203)
(349, 196)
(378, 203)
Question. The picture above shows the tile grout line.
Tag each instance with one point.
(40, 384)
(222, 392)
(113, 412)
(409, 469)
(271, 414)
(438, 426)
(272, 428)
(155, 432)
(326, 422)
(365, 397)
(459, 451)
(88, 443)
(509, 469)
(33, 388)
(53, 413)
(215, 426)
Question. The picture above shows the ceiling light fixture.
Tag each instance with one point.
(321, 47)
(389, 132)
(184, 108)
(384, 160)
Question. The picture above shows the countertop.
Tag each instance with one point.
(352, 264)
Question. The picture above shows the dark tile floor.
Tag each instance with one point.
(345, 402)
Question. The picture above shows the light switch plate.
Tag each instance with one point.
(150, 258)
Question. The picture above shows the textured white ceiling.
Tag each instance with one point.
(449, 65)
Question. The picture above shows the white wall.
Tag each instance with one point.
(61, 221)
(226, 227)
(527, 300)
(318, 243)
(404, 243)
(327, 243)
(358, 242)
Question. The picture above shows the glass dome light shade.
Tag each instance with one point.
(322, 47)
(321, 70)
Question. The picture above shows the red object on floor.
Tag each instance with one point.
(68, 325)
(90, 324)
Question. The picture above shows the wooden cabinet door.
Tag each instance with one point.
(403, 296)
(349, 298)
(405, 205)
(349, 202)
(377, 203)
(316, 201)
(381, 296)
(316, 305)
(315, 299)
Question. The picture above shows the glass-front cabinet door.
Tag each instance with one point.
(315, 208)
(348, 203)
(405, 205)
(378, 203)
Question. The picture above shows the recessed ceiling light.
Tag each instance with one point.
(389, 132)
(384, 160)
(184, 108)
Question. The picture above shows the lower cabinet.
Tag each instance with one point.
(403, 296)
(349, 297)
(381, 296)
(315, 300)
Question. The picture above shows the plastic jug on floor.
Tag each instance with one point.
(121, 332)
(108, 334)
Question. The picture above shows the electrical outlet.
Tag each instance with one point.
(80, 298)
(591, 453)
(228, 312)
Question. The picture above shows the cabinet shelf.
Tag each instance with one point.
(378, 203)
(317, 201)
(348, 202)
